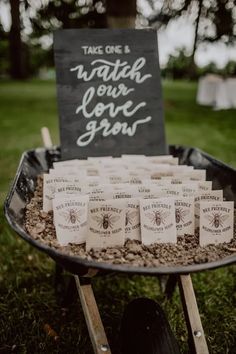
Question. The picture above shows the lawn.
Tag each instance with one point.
(27, 297)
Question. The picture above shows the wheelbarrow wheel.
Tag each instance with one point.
(146, 330)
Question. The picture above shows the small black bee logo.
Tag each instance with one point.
(52, 191)
(216, 219)
(129, 216)
(106, 220)
(158, 217)
(180, 214)
(73, 215)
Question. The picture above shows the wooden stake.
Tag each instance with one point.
(47, 141)
(192, 317)
(92, 317)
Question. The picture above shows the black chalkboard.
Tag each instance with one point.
(109, 92)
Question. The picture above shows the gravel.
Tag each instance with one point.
(187, 250)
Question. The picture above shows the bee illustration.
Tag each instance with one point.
(72, 215)
(52, 191)
(180, 214)
(129, 216)
(158, 217)
(106, 220)
(216, 219)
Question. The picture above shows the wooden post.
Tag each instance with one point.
(192, 317)
(47, 141)
(92, 317)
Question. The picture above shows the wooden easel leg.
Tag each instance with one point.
(195, 330)
(92, 317)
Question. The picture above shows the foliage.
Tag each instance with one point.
(177, 66)
(217, 17)
(27, 298)
(52, 15)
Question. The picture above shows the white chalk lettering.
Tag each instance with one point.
(123, 128)
(101, 108)
(107, 70)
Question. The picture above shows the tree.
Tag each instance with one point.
(46, 16)
(56, 14)
(81, 14)
(15, 44)
(122, 15)
(214, 19)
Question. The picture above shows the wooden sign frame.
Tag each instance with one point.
(109, 92)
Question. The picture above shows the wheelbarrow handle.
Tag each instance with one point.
(46, 137)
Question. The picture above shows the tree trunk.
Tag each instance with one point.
(196, 30)
(121, 14)
(192, 66)
(15, 44)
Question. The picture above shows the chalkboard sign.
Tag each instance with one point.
(109, 92)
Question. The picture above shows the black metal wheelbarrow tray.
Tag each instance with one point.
(35, 162)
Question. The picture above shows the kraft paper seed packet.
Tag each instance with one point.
(158, 223)
(106, 224)
(70, 219)
(216, 222)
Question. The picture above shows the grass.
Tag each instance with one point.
(27, 297)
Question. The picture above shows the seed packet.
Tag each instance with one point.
(198, 175)
(216, 222)
(100, 159)
(70, 219)
(181, 169)
(93, 181)
(106, 224)
(158, 223)
(161, 172)
(170, 171)
(112, 171)
(97, 197)
(132, 220)
(172, 190)
(190, 189)
(156, 182)
(205, 186)
(133, 157)
(49, 189)
(68, 172)
(164, 159)
(66, 163)
(135, 180)
(210, 196)
(64, 188)
(147, 191)
(92, 171)
(175, 180)
(193, 175)
(116, 178)
(184, 216)
(101, 189)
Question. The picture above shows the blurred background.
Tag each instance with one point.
(195, 37)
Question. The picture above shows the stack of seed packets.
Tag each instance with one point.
(102, 201)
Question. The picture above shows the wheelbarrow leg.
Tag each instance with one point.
(92, 317)
(198, 344)
(170, 286)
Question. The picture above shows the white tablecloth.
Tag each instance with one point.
(217, 92)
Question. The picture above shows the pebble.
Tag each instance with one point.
(39, 225)
(130, 257)
(134, 248)
(43, 214)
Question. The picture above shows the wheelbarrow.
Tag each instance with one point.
(37, 161)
